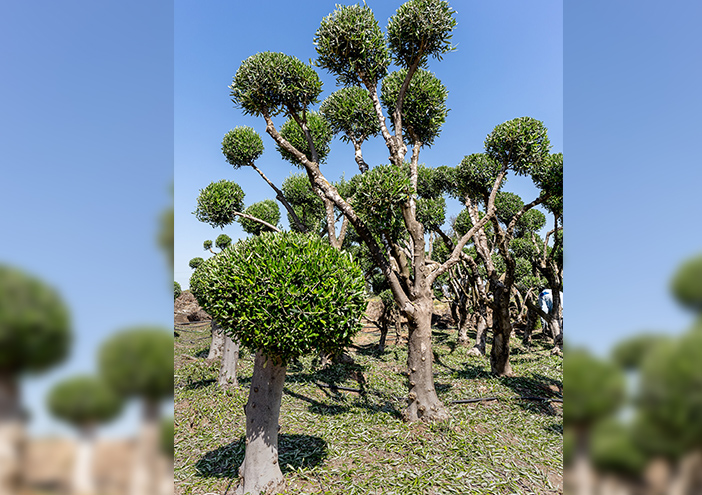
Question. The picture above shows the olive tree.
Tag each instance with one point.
(85, 402)
(351, 45)
(594, 391)
(138, 363)
(282, 295)
(35, 335)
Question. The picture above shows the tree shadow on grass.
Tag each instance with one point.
(294, 452)
(200, 384)
(536, 385)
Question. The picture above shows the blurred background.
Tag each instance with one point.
(86, 133)
(633, 343)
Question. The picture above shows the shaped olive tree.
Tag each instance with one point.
(351, 45)
(85, 402)
(138, 363)
(35, 334)
(282, 296)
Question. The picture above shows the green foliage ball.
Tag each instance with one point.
(420, 29)
(271, 83)
(507, 205)
(242, 146)
(613, 448)
(475, 177)
(177, 291)
(424, 107)
(379, 194)
(223, 241)
(349, 112)
(207, 245)
(686, 284)
(287, 294)
(266, 210)
(217, 203)
(631, 352)
(593, 388)
(321, 134)
(195, 262)
(35, 332)
(138, 362)
(521, 144)
(84, 401)
(351, 45)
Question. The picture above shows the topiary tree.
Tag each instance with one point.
(195, 262)
(223, 241)
(35, 334)
(351, 45)
(593, 391)
(282, 295)
(138, 363)
(84, 402)
(177, 291)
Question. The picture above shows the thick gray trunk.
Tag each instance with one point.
(217, 346)
(501, 331)
(11, 435)
(260, 472)
(83, 479)
(529, 327)
(144, 479)
(463, 323)
(423, 403)
(480, 334)
(230, 357)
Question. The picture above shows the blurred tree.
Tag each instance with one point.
(85, 402)
(300, 296)
(138, 362)
(385, 211)
(35, 334)
(594, 390)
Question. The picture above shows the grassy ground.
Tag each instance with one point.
(340, 442)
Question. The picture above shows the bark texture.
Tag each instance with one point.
(501, 331)
(216, 348)
(260, 472)
(423, 403)
(230, 358)
(480, 334)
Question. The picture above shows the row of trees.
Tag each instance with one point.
(662, 421)
(283, 294)
(392, 215)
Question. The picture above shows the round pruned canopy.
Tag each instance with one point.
(35, 331)
(286, 294)
(84, 401)
(139, 362)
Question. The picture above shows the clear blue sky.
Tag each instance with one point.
(86, 144)
(507, 64)
(632, 174)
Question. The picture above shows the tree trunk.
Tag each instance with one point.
(423, 403)
(584, 483)
(463, 322)
(144, 480)
(83, 478)
(11, 435)
(397, 317)
(529, 327)
(260, 472)
(217, 346)
(481, 334)
(230, 357)
(384, 323)
(501, 331)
